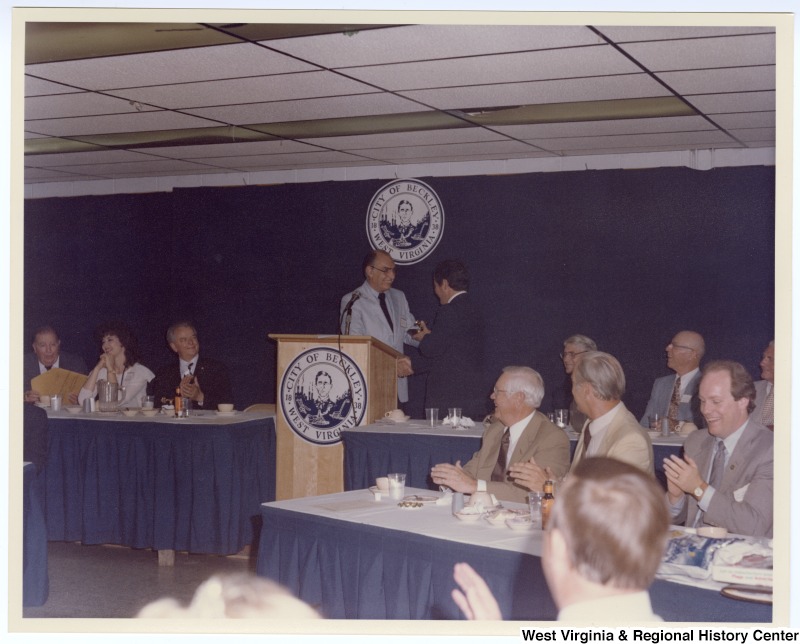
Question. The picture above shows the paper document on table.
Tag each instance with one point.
(346, 506)
(58, 381)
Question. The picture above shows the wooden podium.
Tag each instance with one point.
(325, 384)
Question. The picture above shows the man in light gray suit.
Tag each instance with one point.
(377, 309)
(764, 413)
(675, 397)
(726, 476)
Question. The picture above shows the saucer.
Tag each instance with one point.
(226, 413)
(520, 523)
(420, 498)
(42, 405)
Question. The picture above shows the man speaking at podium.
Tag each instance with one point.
(377, 309)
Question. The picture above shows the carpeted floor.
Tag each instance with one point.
(115, 581)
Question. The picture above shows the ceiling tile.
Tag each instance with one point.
(757, 134)
(246, 90)
(83, 104)
(734, 102)
(601, 60)
(39, 87)
(737, 79)
(309, 109)
(639, 140)
(638, 34)
(151, 165)
(169, 67)
(250, 163)
(704, 53)
(462, 149)
(424, 42)
(745, 119)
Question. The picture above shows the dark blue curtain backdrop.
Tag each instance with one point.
(627, 257)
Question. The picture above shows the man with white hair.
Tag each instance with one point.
(518, 433)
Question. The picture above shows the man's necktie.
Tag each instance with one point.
(768, 411)
(499, 471)
(189, 368)
(674, 403)
(385, 309)
(587, 438)
(718, 466)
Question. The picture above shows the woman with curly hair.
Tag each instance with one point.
(118, 363)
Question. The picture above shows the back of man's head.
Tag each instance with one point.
(614, 519)
(603, 372)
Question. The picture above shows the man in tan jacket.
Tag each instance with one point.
(518, 433)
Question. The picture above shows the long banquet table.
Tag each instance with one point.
(357, 558)
(191, 484)
(414, 447)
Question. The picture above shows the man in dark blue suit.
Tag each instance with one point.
(203, 381)
(451, 352)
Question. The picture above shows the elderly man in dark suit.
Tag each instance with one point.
(203, 380)
(47, 355)
(726, 476)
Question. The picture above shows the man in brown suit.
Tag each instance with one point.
(518, 433)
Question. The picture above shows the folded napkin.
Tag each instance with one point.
(454, 422)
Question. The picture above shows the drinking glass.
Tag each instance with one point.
(535, 504)
(432, 416)
(397, 485)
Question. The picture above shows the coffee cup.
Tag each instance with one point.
(382, 483)
(44, 400)
(225, 407)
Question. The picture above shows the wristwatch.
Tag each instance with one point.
(698, 493)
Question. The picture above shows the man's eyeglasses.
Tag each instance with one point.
(681, 346)
(571, 354)
(385, 269)
(499, 391)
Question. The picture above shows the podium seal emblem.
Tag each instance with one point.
(322, 392)
(405, 219)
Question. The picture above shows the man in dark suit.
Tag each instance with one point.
(47, 355)
(451, 353)
(204, 381)
(726, 476)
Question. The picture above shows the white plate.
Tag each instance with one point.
(421, 498)
(520, 523)
(226, 413)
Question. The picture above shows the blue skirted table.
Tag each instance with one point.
(356, 558)
(191, 484)
(35, 579)
(374, 450)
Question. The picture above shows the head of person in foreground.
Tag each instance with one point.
(605, 538)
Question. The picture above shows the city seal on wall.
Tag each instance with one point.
(406, 220)
(322, 392)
